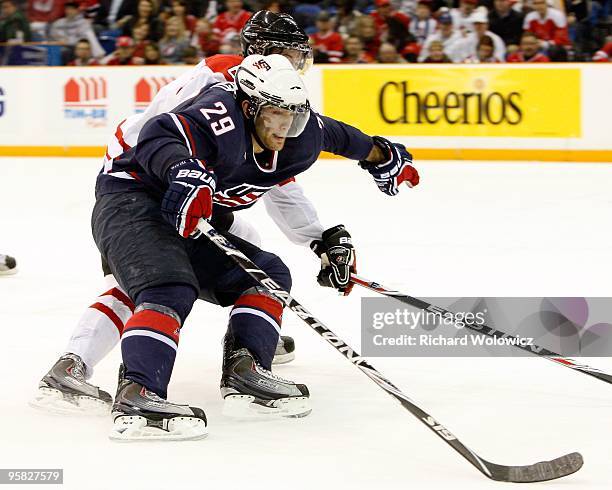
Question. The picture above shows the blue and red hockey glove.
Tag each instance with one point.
(189, 196)
(394, 170)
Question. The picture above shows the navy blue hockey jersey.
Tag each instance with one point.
(211, 128)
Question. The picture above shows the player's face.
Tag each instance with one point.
(298, 59)
(272, 125)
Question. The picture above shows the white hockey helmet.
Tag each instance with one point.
(272, 80)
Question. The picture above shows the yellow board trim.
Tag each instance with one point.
(419, 153)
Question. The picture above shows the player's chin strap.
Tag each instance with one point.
(481, 328)
(544, 470)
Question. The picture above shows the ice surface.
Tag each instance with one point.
(482, 229)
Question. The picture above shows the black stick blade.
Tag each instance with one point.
(542, 471)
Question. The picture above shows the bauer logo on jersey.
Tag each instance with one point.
(146, 89)
(240, 195)
(86, 99)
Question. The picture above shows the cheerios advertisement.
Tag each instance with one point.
(481, 101)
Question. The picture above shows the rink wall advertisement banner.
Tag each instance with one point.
(508, 112)
(481, 101)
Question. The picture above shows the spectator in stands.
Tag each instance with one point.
(604, 54)
(205, 39)
(422, 24)
(547, 23)
(346, 17)
(485, 52)
(231, 45)
(388, 54)
(327, 45)
(354, 52)
(447, 35)
(190, 56)
(272, 6)
(41, 13)
(179, 10)
(124, 53)
(436, 53)
(231, 21)
(141, 39)
(174, 41)
(366, 32)
(506, 22)
(82, 55)
(146, 14)
(89, 8)
(71, 28)
(408, 7)
(113, 14)
(468, 48)
(529, 52)
(14, 26)
(386, 19)
(462, 16)
(152, 56)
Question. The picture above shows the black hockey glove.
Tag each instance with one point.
(394, 170)
(337, 259)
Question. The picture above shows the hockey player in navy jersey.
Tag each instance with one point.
(65, 388)
(217, 153)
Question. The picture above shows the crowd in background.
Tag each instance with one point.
(153, 32)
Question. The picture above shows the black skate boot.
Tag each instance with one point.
(250, 390)
(285, 350)
(64, 390)
(141, 415)
(8, 265)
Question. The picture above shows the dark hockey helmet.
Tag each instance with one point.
(270, 33)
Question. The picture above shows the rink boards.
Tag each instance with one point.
(545, 112)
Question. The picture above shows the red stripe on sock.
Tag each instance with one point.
(262, 302)
(153, 320)
(112, 316)
(118, 294)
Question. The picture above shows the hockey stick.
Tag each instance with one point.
(542, 471)
(483, 329)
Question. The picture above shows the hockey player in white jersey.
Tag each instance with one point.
(65, 388)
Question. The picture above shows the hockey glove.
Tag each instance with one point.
(189, 196)
(396, 169)
(337, 259)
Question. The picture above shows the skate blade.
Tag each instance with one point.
(53, 401)
(283, 358)
(133, 428)
(244, 406)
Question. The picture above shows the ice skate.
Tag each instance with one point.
(8, 265)
(64, 390)
(141, 415)
(249, 390)
(285, 350)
